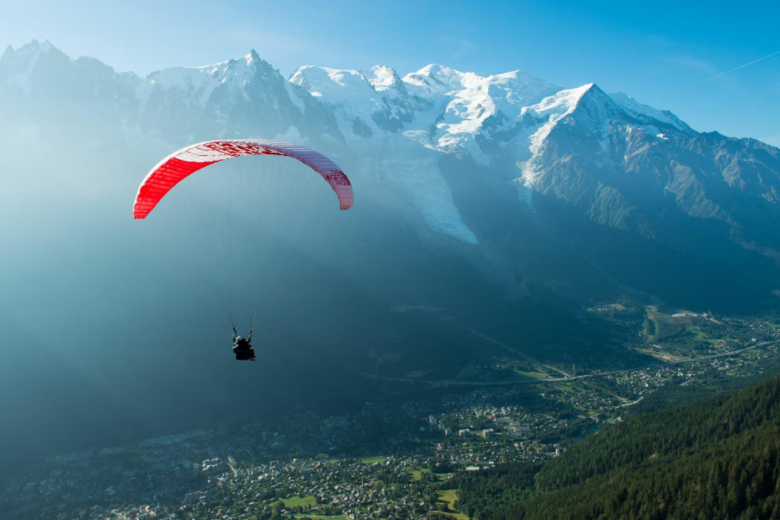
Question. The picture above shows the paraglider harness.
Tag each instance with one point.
(242, 347)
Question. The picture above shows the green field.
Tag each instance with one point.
(703, 336)
(661, 326)
(299, 501)
(373, 460)
(449, 497)
(567, 388)
(531, 375)
(417, 474)
(660, 354)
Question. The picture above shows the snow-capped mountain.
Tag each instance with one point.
(507, 169)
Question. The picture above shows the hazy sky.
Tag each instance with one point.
(667, 54)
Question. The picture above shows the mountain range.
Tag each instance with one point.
(565, 193)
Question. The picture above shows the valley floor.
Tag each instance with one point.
(394, 457)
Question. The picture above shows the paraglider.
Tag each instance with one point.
(242, 347)
(175, 168)
(179, 165)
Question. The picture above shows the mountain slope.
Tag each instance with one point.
(714, 459)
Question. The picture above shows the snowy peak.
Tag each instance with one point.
(384, 78)
(40, 77)
(644, 112)
(453, 111)
(564, 101)
(435, 79)
(552, 108)
(26, 53)
(503, 95)
(362, 109)
(481, 115)
(242, 97)
(518, 88)
(590, 104)
(202, 81)
(333, 85)
(597, 107)
(595, 113)
(599, 113)
(437, 106)
(593, 106)
(18, 66)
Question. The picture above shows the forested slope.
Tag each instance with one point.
(718, 458)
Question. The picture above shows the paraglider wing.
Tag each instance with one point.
(177, 166)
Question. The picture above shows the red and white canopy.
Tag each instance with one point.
(177, 166)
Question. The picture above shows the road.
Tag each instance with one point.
(446, 383)
(725, 354)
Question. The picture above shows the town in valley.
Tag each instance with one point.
(394, 456)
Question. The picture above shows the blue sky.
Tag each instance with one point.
(663, 53)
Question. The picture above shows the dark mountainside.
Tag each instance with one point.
(713, 459)
(622, 203)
